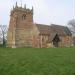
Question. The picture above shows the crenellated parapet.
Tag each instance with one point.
(21, 9)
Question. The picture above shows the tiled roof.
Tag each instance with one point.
(44, 29)
(52, 35)
(61, 30)
(58, 29)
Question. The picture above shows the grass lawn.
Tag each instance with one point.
(35, 61)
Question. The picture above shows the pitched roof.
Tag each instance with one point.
(44, 29)
(53, 29)
(52, 35)
(61, 30)
(68, 32)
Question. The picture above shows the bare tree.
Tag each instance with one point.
(71, 25)
(3, 33)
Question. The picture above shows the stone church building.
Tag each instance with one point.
(23, 32)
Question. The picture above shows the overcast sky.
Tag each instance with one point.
(45, 11)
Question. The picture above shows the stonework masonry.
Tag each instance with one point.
(23, 32)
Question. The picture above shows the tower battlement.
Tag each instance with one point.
(21, 9)
(20, 27)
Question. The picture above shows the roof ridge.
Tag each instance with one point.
(42, 24)
(58, 25)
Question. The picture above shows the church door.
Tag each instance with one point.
(56, 41)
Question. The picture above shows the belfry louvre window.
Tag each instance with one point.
(23, 17)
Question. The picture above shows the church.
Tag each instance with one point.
(23, 32)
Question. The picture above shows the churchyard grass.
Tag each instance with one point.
(37, 61)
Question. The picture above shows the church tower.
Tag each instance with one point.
(20, 27)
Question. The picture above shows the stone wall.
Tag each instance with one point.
(23, 32)
(66, 41)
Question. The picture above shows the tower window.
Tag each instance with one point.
(24, 17)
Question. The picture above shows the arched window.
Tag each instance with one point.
(23, 17)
